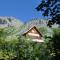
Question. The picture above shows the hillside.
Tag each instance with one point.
(10, 25)
(39, 23)
(16, 47)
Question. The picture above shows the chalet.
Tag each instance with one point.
(34, 34)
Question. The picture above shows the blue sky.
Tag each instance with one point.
(20, 9)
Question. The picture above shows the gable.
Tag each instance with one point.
(33, 33)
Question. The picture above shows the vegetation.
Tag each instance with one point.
(56, 43)
(50, 8)
(16, 47)
(23, 49)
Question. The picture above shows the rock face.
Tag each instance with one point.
(37, 23)
(9, 21)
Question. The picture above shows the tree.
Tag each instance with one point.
(50, 8)
(29, 50)
(56, 43)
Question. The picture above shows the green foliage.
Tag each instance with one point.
(56, 42)
(46, 32)
(29, 50)
(22, 49)
(43, 30)
(50, 8)
(8, 48)
(53, 44)
(12, 47)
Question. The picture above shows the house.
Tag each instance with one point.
(34, 34)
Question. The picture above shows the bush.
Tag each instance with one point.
(21, 48)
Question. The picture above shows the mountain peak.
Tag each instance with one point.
(9, 21)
